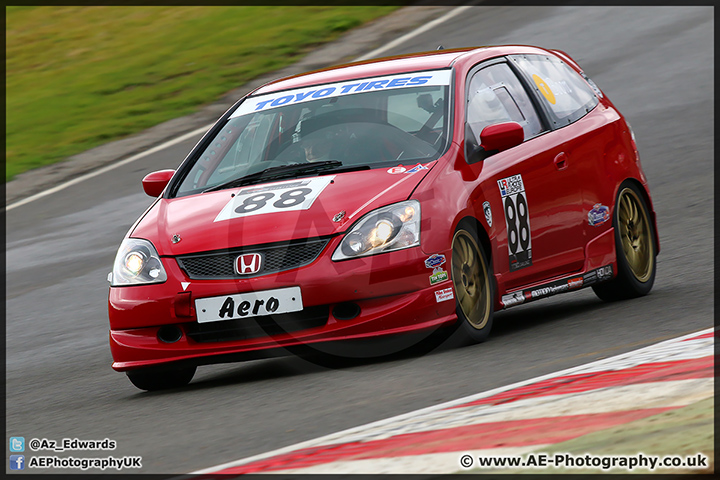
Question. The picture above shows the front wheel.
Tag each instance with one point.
(471, 276)
(635, 248)
(161, 379)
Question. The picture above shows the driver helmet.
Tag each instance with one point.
(317, 146)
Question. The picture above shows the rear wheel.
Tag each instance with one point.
(634, 245)
(156, 379)
(473, 287)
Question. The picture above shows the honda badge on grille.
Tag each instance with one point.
(248, 263)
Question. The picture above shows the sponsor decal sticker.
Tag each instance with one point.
(417, 168)
(275, 197)
(488, 213)
(604, 273)
(434, 260)
(351, 87)
(517, 221)
(511, 185)
(439, 275)
(511, 299)
(396, 170)
(549, 290)
(598, 215)
(544, 89)
(559, 286)
(273, 187)
(598, 275)
(444, 295)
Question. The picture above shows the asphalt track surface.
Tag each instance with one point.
(655, 63)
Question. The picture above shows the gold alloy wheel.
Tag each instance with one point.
(635, 235)
(470, 279)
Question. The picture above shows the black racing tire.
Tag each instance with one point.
(473, 286)
(634, 245)
(151, 379)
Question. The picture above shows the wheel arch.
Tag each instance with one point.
(485, 243)
(648, 201)
(475, 224)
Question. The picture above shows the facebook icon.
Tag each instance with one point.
(17, 462)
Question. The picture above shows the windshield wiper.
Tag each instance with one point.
(281, 171)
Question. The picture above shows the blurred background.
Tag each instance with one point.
(82, 78)
(78, 77)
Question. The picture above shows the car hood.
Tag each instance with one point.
(210, 221)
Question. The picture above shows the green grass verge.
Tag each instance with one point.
(78, 77)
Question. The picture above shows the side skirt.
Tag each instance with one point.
(568, 284)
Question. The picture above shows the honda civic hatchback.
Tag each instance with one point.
(378, 198)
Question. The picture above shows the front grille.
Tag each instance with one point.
(276, 258)
(254, 327)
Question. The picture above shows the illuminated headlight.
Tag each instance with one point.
(137, 263)
(383, 230)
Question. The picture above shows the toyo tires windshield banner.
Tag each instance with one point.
(291, 97)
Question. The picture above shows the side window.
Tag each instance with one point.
(495, 95)
(562, 89)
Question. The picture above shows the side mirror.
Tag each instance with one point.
(493, 139)
(501, 136)
(154, 183)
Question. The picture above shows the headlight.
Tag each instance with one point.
(383, 230)
(137, 263)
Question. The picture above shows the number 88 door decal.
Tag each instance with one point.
(517, 221)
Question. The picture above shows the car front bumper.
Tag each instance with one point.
(365, 297)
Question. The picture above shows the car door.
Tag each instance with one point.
(568, 99)
(537, 196)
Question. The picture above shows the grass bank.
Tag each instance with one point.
(78, 77)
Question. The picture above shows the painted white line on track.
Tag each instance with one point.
(108, 168)
(428, 26)
(328, 439)
(456, 11)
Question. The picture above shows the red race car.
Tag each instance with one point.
(378, 198)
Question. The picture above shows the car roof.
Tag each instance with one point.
(414, 62)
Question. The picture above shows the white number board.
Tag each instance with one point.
(274, 197)
(246, 305)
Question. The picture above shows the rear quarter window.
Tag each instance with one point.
(560, 88)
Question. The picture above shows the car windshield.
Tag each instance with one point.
(368, 123)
